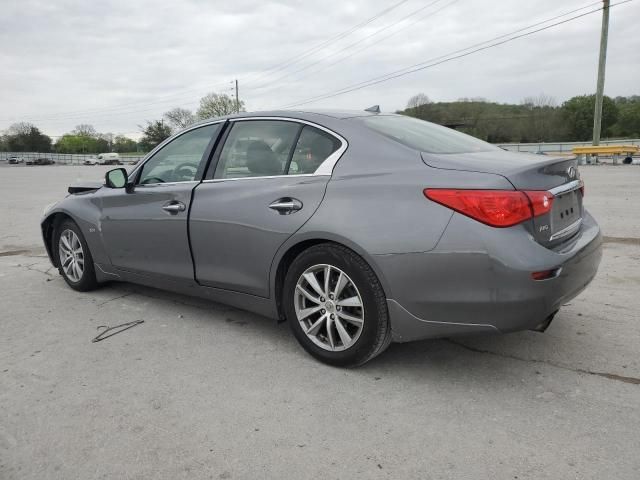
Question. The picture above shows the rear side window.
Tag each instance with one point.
(257, 148)
(314, 147)
(265, 148)
(424, 136)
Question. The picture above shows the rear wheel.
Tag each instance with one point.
(75, 263)
(335, 306)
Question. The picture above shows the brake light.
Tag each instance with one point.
(497, 208)
(540, 201)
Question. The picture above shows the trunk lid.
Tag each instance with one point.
(557, 175)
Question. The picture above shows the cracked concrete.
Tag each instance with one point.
(610, 376)
(201, 390)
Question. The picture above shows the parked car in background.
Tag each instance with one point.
(91, 161)
(14, 160)
(357, 228)
(41, 161)
(109, 159)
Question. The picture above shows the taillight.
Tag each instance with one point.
(540, 202)
(497, 208)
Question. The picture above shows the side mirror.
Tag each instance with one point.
(116, 178)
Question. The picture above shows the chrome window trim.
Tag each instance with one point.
(326, 167)
(566, 188)
(161, 145)
(165, 184)
(565, 232)
(218, 180)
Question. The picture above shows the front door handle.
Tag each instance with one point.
(174, 207)
(286, 205)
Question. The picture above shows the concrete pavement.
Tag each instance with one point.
(201, 390)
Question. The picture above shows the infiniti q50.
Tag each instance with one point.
(357, 228)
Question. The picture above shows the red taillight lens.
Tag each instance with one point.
(497, 208)
(540, 202)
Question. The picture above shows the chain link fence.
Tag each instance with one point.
(67, 158)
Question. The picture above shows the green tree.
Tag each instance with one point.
(628, 124)
(122, 144)
(535, 119)
(218, 105)
(70, 143)
(26, 137)
(153, 134)
(577, 113)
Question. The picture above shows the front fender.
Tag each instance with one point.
(84, 210)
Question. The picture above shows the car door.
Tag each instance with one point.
(264, 183)
(144, 228)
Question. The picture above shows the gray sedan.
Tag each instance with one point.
(357, 228)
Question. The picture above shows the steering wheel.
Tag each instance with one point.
(184, 172)
(152, 180)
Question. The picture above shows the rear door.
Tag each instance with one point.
(265, 182)
(145, 229)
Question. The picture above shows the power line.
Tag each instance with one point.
(335, 38)
(431, 63)
(474, 45)
(365, 47)
(380, 30)
(83, 113)
(78, 114)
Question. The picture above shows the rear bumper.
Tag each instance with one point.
(478, 280)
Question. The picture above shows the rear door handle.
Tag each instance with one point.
(174, 207)
(286, 205)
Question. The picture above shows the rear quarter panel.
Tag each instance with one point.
(375, 201)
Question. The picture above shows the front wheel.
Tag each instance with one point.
(336, 306)
(75, 263)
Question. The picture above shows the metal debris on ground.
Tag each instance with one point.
(114, 330)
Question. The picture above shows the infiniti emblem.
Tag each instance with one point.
(571, 171)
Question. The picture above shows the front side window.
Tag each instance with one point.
(424, 136)
(179, 160)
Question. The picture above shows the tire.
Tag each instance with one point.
(628, 160)
(87, 279)
(360, 286)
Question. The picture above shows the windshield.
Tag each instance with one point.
(424, 136)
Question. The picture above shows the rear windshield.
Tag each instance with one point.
(424, 136)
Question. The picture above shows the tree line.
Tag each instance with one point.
(26, 137)
(535, 119)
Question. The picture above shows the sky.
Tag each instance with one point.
(116, 64)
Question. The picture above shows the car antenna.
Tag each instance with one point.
(374, 109)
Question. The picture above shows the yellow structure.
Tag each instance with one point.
(613, 150)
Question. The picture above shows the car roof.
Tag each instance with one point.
(316, 115)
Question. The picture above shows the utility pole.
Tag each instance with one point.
(237, 101)
(604, 34)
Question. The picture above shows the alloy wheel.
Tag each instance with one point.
(329, 307)
(71, 255)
